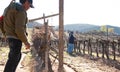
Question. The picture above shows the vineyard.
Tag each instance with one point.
(92, 52)
(92, 47)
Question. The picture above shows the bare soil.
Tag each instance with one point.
(76, 63)
(84, 63)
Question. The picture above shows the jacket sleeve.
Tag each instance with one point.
(20, 25)
(1, 27)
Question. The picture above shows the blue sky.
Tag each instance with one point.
(97, 12)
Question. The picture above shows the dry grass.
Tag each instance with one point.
(3, 55)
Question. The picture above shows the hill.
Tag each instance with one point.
(87, 27)
(78, 27)
(81, 27)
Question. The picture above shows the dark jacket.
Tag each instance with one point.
(71, 39)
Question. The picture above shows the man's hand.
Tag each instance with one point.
(27, 45)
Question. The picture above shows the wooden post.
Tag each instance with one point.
(46, 41)
(61, 30)
(107, 31)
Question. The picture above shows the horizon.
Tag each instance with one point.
(96, 12)
(82, 24)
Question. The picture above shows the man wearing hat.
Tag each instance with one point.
(15, 20)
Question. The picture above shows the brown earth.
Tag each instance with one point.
(84, 63)
(76, 63)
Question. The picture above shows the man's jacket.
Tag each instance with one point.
(1, 25)
(71, 39)
(15, 19)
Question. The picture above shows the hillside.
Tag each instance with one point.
(78, 27)
(88, 27)
(81, 27)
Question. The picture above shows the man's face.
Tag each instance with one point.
(27, 5)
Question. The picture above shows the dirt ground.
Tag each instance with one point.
(80, 63)
(88, 64)
(76, 63)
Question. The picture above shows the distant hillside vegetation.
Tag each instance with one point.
(81, 27)
(78, 27)
(87, 27)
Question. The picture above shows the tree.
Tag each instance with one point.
(111, 30)
(103, 28)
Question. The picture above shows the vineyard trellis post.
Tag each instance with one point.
(46, 42)
(107, 32)
(61, 30)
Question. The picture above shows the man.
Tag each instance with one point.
(71, 43)
(15, 19)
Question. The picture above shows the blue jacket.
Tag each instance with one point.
(71, 39)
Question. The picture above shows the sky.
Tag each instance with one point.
(96, 12)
